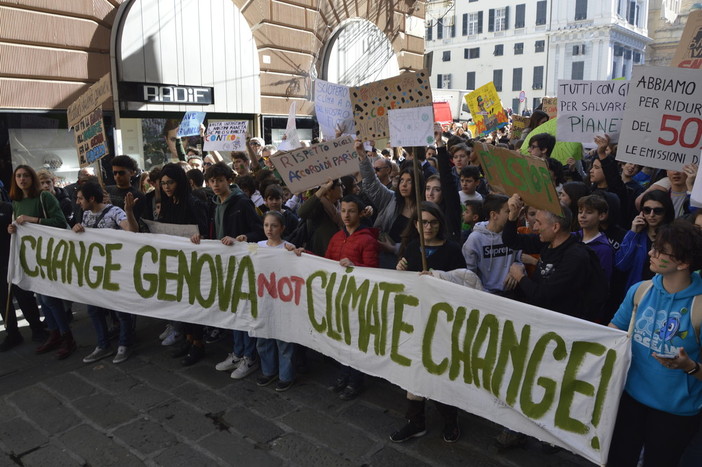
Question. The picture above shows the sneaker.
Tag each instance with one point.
(213, 335)
(172, 338)
(283, 386)
(12, 339)
(228, 364)
(408, 431)
(245, 368)
(508, 439)
(194, 355)
(452, 433)
(167, 332)
(350, 393)
(98, 354)
(264, 380)
(123, 353)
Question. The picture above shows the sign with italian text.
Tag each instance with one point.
(535, 371)
(190, 125)
(96, 94)
(372, 101)
(305, 168)
(486, 108)
(332, 105)
(411, 127)
(550, 106)
(510, 172)
(91, 140)
(589, 108)
(662, 125)
(688, 53)
(226, 136)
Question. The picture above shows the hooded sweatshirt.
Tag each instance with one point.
(236, 215)
(662, 325)
(488, 257)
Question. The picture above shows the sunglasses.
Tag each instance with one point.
(655, 211)
(378, 169)
(119, 172)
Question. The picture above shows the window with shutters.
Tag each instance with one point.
(577, 70)
(470, 80)
(497, 79)
(439, 80)
(538, 81)
(464, 28)
(471, 53)
(539, 46)
(446, 56)
(500, 19)
(440, 29)
(580, 10)
(541, 12)
(517, 79)
(519, 16)
(499, 50)
(475, 23)
(519, 48)
(430, 30)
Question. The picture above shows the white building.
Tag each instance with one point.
(529, 45)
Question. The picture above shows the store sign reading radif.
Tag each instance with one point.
(159, 93)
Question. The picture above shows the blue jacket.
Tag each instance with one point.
(632, 255)
(662, 325)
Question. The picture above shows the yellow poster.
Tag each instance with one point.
(486, 108)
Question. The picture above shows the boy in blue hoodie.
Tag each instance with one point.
(661, 407)
(592, 211)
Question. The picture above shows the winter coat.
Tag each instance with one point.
(361, 247)
(236, 216)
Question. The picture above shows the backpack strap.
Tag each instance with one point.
(102, 215)
(641, 291)
(696, 317)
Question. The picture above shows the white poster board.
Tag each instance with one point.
(226, 136)
(589, 108)
(662, 125)
(413, 126)
(332, 104)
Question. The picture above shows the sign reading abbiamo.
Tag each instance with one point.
(662, 125)
(548, 375)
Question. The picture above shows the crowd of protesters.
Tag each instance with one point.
(626, 247)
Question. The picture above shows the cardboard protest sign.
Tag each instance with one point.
(226, 136)
(91, 140)
(486, 108)
(519, 123)
(589, 108)
(332, 105)
(550, 106)
(663, 120)
(510, 172)
(305, 168)
(190, 125)
(411, 127)
(98, 93)
(541, 373)
(372, 101)
(688, 53)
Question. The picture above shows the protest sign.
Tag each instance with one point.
(688, 53)
(663, 120)
(486, 108)
(96, 94)
(411, 127)
(178, 230)
(190, 125)
(305, 168)
(332, 104)
(541, 373)
(550, 106)
(696, 195)
(589, 108)
(226, 136)
(372, 101)
(292, 139)
(91, 140)
(519, 123)
(510, 172)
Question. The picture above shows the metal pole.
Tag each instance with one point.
(418, 195)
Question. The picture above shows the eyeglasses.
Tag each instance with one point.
(656, 211)
(168, 182)
(655, 252)
(119, 172)
(431, 223)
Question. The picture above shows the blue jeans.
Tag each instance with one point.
(54, 313)
(244, 345)
(276, 358)
(98, 316)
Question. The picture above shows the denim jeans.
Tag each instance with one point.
(99, 318)
(244, 345)
(54, 313)
(276, 358)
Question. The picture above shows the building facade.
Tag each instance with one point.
(666, 22)
(529, 45)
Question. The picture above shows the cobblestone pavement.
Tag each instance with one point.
(151, 411)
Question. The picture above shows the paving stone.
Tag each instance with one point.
(143, 396)
(145, 436)
(55, 419)
(70, 386)
(183, 456)
(33, 399)
(228, 447)
(44, 409)
(49, 456)
(159, 376)
(20, 436)
(239, 391)
(105, 410)
(6, 411)
(390, 457)
(203, 398)
(371, 419)
(333, 433)
(299, 451)
(204, 372)
(96, 448)
(183, 419)
(315, 396)
(269, 404)
(6, 461)
(110, 377)
(251, 425)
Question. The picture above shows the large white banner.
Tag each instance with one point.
(589, 108)
(548, 375)
(663, 120)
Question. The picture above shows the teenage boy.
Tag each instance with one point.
(485, 252)
(592, 211)
(123, 169)
(470, 179)
(235, 219)
(98, 215)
